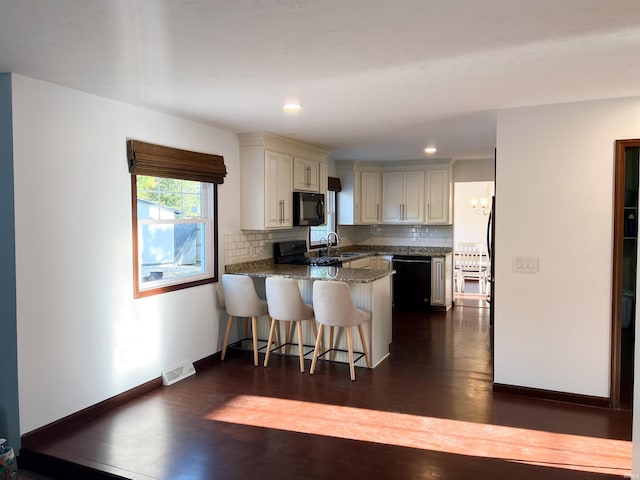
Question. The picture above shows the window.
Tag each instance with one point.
(318, 235)
(174, 217)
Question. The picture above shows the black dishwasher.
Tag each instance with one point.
(412, 281)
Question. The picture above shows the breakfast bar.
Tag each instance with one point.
(370, 290)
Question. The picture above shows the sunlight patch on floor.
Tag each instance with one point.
(533, 447)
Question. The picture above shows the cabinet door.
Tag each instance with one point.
(349, 197)
(413, 210)
(360, 263)
(392, 196)
(437, 281)
(384, 262)
(438, 195)
(403, 197)
(278, 189)
(305, 175)
(370, 187)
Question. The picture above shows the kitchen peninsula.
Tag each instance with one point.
(370, 290)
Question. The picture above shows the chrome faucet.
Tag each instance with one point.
(330, 243)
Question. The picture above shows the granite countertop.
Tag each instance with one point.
(304, 272)
(389, 250)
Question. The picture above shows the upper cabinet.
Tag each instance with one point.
(370, 188)
(278, 192)
(394, 193)
(267, 165)
(403, 197)
(361, 195)
(439, 197)
(349, 195)
(306, 175)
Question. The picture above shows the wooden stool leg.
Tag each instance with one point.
(226, 337)
(364, 346)
(352, 370)
(287, 336)
(300, 349)
(316, 351)
(277, 339)
(271, 333)
(314, 329)
(254, 328)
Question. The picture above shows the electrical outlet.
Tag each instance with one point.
(124, 358)
(526, 264)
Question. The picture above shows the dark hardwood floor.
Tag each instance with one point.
(427, 412)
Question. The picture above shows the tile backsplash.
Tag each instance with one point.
(410, 235)
(251, 245)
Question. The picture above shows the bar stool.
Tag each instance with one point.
(241, 300)
(333, 307)
(286, 305)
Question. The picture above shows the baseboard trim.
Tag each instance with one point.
(55, 429)
(565, 397)
(207, 362)
(47, 433)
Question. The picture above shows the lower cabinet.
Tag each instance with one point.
(359, 263)
(441, 281)
(383, 262)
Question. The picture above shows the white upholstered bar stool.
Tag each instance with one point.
(333, 306)
(241, 300)
(286, 305)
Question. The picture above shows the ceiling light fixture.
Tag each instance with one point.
(430, 150)
(292, 107)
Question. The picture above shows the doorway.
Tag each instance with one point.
(472, 206)
(625, 260)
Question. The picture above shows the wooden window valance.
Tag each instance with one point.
(158, 161)
(334, 184)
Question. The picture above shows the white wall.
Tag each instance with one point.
(75, 305)
(554, 194)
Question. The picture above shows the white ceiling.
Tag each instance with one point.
(378, 79)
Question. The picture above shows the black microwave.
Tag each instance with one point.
(308, 208)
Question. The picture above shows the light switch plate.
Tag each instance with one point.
(526, 264)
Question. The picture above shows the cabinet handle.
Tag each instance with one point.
(378, 211)
(428, 211)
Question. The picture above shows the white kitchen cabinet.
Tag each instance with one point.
(358, 263)
(349, 196)
(403, 197)
(266, 179)
(441, 281)
(370, 188)
(438, 197)
(306, 175)
(278, 190)
(382, 262)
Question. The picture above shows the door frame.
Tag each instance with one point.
(618, 248)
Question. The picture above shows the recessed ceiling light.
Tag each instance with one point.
(292, 107)
(430, 150)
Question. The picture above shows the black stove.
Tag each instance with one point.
(293, 253)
